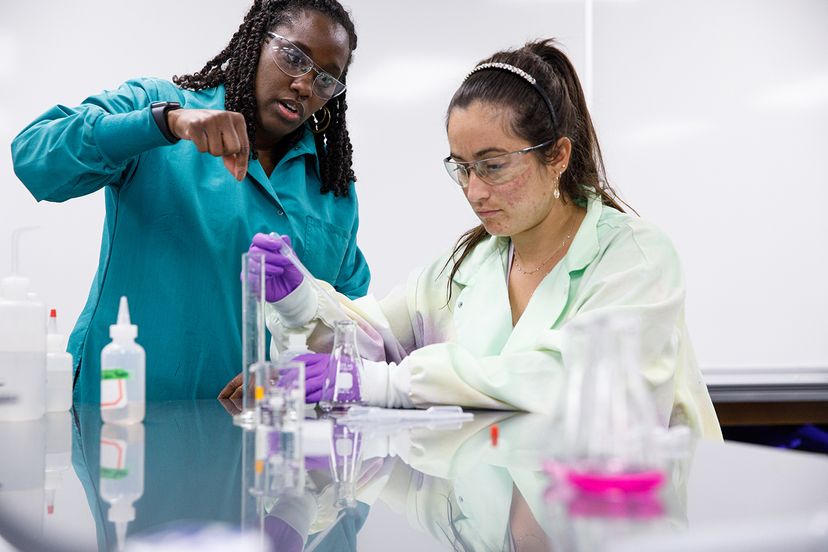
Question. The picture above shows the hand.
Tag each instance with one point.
(233, 391)
(318, 369)
(281, 277)
(221, 133)
(231, 406)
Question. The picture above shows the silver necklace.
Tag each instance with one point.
(540, 266)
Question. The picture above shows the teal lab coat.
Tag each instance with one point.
(176, 225)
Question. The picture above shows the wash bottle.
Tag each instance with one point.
(123, 373)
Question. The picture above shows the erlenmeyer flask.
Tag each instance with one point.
(610, 417)
(346, 370)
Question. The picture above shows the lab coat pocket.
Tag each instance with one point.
(325, 246)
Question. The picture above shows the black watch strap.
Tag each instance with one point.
(159, 114)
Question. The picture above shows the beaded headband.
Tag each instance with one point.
(525, 76)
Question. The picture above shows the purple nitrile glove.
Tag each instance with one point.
(282, 535)
(318, 371)
(281, 277)
(318, 463)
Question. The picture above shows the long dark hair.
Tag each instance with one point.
(532, 121)
(235, 68)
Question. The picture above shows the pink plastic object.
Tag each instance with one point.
(626, 483)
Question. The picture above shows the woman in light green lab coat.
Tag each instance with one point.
(482, 326)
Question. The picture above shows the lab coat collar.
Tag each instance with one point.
(583, 250)
(585, 246)
(484, 293)
(550, 298)
(482, 314)
(305, 146)
(492, 249)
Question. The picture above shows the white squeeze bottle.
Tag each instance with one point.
(297, 344)
(123, 373)
(58, 369)
(22, 347)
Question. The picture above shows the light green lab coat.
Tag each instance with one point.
(466, 351)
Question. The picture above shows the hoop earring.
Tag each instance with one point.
(323, 123)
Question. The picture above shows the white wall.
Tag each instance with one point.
(712, 117)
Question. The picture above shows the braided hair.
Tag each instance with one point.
(235, 68)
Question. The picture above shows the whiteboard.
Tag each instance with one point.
(712, 117)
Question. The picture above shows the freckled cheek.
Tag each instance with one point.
(514, 194)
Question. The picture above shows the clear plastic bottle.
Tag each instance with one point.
(297, 344)
(123, 373)
(348, 366)
(22, 347)
(58, 369)
(122, 473)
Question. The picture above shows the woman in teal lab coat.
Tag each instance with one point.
(256, 141)
(486, 325)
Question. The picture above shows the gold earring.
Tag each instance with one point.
(323, 123)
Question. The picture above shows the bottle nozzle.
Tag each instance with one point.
(52, 327)
(123, 312)
(124, 329)
(15, 250)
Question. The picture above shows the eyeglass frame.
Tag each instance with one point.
(314, 66)
(468, 166)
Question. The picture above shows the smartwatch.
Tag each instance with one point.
(159, 114)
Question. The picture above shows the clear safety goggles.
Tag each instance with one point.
(294, 63)
(494, 170)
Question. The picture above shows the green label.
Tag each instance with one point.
(114, 374)
(113, 473)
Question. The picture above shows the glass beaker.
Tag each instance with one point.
(346, 370)
(253, 332)
(280, 394)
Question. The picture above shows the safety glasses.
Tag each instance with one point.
(494, 170)
(294, 63)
